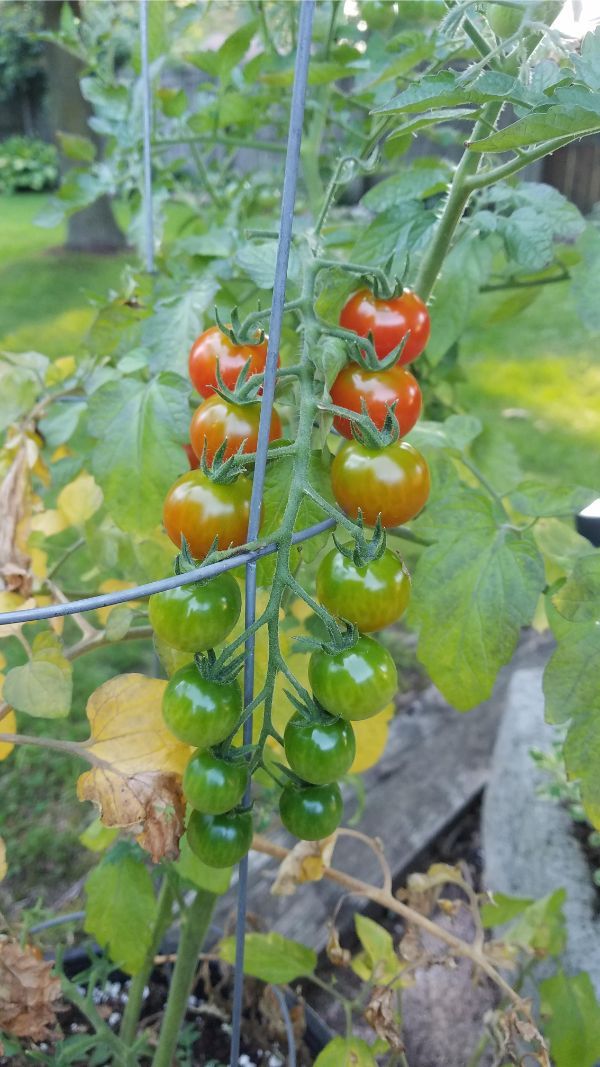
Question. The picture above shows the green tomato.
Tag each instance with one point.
(202, 713)
(214, 785)
(220, 840)
(196, 617)
(311, 812)
(371, 597)
(319, 751)
(504, 19)
(355, 683)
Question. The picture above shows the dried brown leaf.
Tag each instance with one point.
(15, 575)
(149, 805)
(305, 863)
(382, 1014)
(340, 957)
(28, 992)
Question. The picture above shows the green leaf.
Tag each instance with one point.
(560, 543)
(394, 232)
(258, 259)
(572, 675)
(121, 909)
(536, 498)
(378, 962)
(40, 688)
(192, 869)
(346, 1052)
(447, 89)
(538, 925)
(424, 178)
(582, 759)
(584, 277)
(222, 62)
(97, 837)
(572, 1019)
(433, 118)
(119, 622)
(176, 323)
(275, 498)
(456, 433)
(75, 147)
(579, 598)
(328, 358)
(140, 427)
(464, 271)
(484, 580)
(21, 380)
(271, 957)
(559, 120)
(513, 305)
(587, 64)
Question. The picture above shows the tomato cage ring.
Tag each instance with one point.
(248, 558)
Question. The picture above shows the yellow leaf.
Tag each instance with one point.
(48, 522)
(8, 725)
(57, 624)
(60, 369)
(3, 867)
(13, 602)
(138, 783)
(371, 739)
(79, 500)
(60, 453)
(113, 585)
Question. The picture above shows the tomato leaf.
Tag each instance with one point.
(175, 324)
(532, 924)
(271, 957)
(535, 498)
(41, 688)
(484, 580)
(346, 1052)
(572, 1015)
(561, 120)
(140, 427)
(464, 271)
(121, 908)
(192, 869)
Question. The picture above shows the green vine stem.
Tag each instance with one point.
(131, 1015)
(194, 927)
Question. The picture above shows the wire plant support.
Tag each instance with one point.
(249, 557)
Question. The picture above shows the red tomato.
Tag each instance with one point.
(389, 321)
(192, 457)
(201, 510)
(217, 419)
(377, 389)
(392, 482)
(214, 347)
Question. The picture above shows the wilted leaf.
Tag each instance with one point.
(271, 957)
(305, 863)
(14, 491)
(382, 1013)
(138, 784)
(28, 992)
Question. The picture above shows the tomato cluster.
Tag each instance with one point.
(381, 480)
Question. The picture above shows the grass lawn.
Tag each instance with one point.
(45, 303)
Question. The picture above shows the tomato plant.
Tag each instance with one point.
(391, 483)
(218, 420)
(389, 322)
(196, 617)
(379, 391)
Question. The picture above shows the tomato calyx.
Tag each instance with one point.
(246, 389)
(212, 669)
(184, 561)
(342, 638)
(364, 551)
(223, 471)
(367, 356)
(235, 330)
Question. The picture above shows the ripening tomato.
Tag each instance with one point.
(319, 750)
(214, 785)
(220, 840)
(372, 597)
(392, 482)
(214, 347)
(200, 510)
(355, 683)
(198, 711)
(217, 419)
(378, 390)
(389, 321)
(192, 457)
(194, 618)
(312, 812)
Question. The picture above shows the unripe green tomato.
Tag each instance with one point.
(214, 785)
(200, 712)
(355, 683)
(311, 812)
(319, 751)
(194, 618)
(379, 14)
(371, 597)
(504, 19)
(220, 840)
